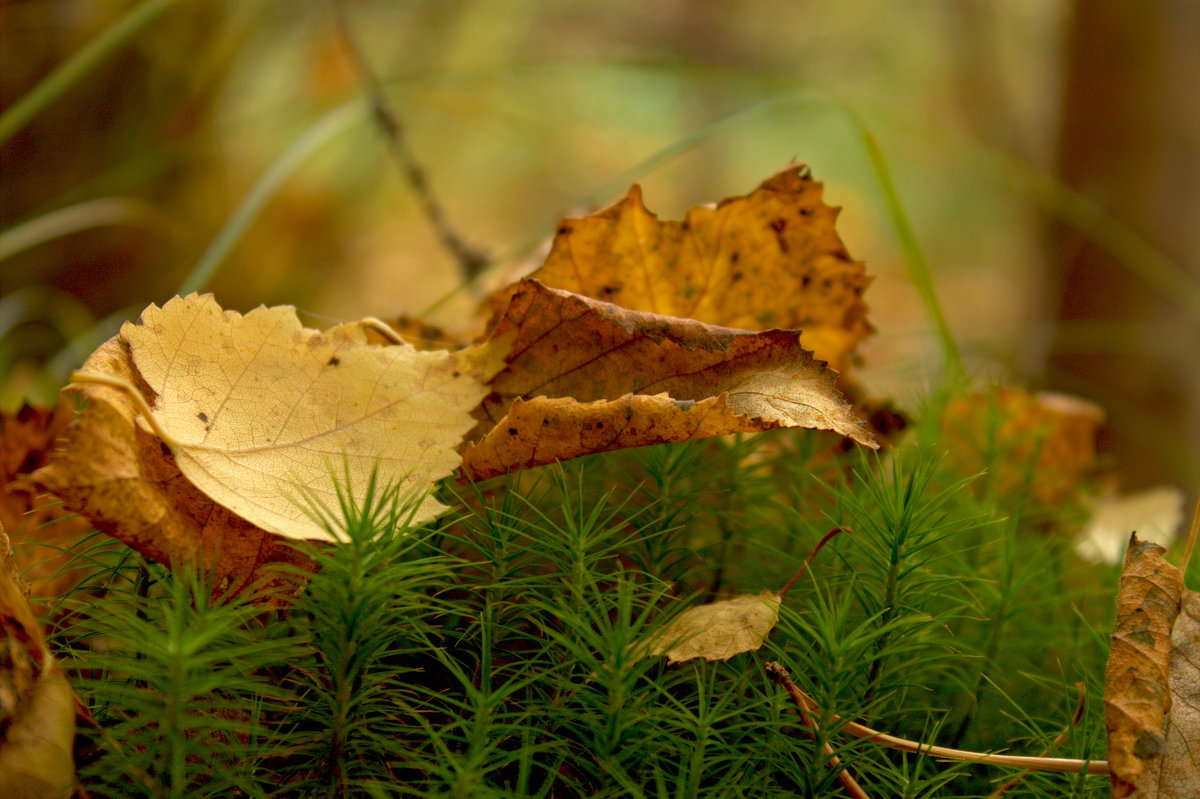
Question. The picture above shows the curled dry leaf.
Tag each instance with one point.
(257, 405)
(37, 707)
(244, 410)
(120, 476)
(720, 630)
(39, 526)
(1152, 683)
(771, 259)
(592, 376)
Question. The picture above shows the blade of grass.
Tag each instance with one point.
(324, 129)
(20, 113)
(103, 212)
(914, 259)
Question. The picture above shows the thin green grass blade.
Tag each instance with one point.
(85, 60)
(326, 128)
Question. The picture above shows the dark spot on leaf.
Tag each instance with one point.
(202, 416)
(1148, 745)
(609, 290)
(512, 431)
(686, 226)
(600, 425)
(455, 373)
(827, 284)
(166, 451)
(806, 212)
(564, 230)
(735, 277)
(31, 462)
(804, 281)
(734, 256)
(778, 226)
(545, 421)
(334, 361)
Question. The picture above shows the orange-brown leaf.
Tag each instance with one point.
(771, 259)
(1152, 683)
(1048, 440)
(549, 429)
(712, 380)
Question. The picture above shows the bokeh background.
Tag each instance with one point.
(1047, 154)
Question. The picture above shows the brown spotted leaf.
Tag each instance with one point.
(1152, 683)
(720, 630)
(771, 259)
(585, 376)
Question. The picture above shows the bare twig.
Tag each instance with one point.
(1057, 764)
(780, 676)
(1059, 740)
(471, 260)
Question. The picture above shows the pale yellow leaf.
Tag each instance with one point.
(720, 630)
(256, 406)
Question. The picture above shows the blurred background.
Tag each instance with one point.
(1046, 152)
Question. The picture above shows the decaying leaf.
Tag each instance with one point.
(249, 408)
(1152, 683)
(120, 476)
(37, 707)
(720, 630)
(592, 376)
(256, 405)
(38, 525)
(1048, 440)
(771, 259)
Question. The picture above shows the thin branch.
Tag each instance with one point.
(1059, 740)
(471, 260)
(1057, 764)
(780, 676)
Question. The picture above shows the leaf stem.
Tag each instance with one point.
(1189, 546)
(135, 396)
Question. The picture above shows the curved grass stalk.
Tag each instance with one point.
(326, 128)
(20, 113)
(1053, 764)
(104, 212)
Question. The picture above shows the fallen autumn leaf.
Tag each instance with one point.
(770, 259)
